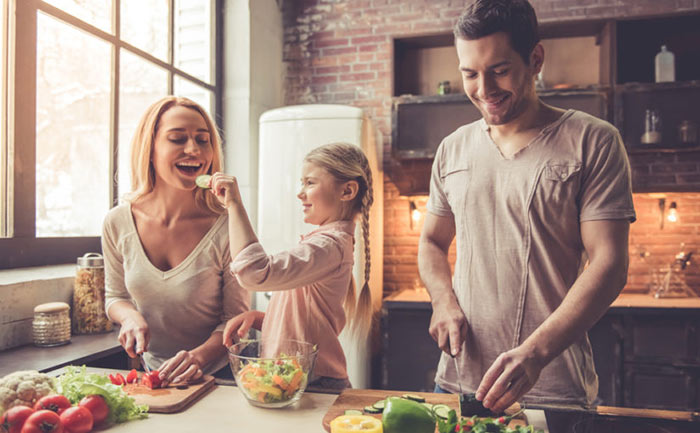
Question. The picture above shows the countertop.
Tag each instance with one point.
(80, 350)
(625, 300)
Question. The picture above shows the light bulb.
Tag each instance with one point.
(415, 215)
(672, 213)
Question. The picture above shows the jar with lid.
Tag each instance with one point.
(89, 315)
(688, 133)
(652, 127)
(51, 324)
(444, 88)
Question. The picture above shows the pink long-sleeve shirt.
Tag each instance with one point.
(310, 282)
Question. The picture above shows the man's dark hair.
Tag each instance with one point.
(515, 17)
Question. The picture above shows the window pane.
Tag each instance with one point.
(144, 24)
(141, 84)
(72, 130)
(95, 12)
(3, 120)
(193, 38)
(200, 95)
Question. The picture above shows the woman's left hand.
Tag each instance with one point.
(181, 368)
(225, 188)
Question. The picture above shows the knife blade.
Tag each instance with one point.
(459, 378)
(143, 363)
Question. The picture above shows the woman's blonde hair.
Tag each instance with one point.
(143, 175)
(346, 162)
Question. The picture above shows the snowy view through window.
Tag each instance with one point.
(75, 102)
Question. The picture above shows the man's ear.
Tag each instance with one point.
(537, 58)
(350, 189)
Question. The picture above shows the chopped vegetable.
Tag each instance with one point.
(77, 383)
(24, 388)
(133, 376)
(202, 181)
(475, 424)
(353, 412)
(414, 397)
(407, 416)
(356, 423)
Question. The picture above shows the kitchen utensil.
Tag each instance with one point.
(272, 373)
(359, 398)
(172, 398)
(143, 364)
(615, 411)
(459, 378)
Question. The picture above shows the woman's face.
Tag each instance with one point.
(182, 149)
(320, 195)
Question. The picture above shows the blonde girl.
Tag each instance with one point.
(312, 283)
(166, 249)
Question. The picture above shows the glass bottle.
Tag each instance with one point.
(89, 296)
(652, 127)
(665, 66)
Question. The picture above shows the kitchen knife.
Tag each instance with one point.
(630, 412)
(143, 363)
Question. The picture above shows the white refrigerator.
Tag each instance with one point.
(287, 134)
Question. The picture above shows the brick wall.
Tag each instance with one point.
(340, 51)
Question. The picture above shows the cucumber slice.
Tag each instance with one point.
(202, 181)
(353, 412)
(441, 411)
(372, 409)
(429, 406)
(414, 397)
(379, 404)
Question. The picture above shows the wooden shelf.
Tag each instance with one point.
(655, 149)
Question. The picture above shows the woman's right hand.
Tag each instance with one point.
(238, 327)
(134, 334)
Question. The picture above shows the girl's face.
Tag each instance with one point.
(321, 195)
(182, 149)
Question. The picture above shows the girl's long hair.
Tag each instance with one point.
(346, 162)
(143, 176)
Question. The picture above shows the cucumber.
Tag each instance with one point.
(441, 411)
(202, 181)
(429, 406)
(379, 405)
(413, 397)
(371, 409)
(353, 412)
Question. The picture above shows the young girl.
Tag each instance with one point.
(312, 282)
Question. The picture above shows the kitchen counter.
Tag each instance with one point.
(81, 349)
(625, 300)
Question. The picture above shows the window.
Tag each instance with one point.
(76, 77)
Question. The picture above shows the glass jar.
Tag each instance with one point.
(89, 315)
(444, 88)
(51, 324)
(688, 133)
(652, 127)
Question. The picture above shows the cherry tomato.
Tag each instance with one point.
(55, 403)
(14, 417)
(151, 380)
(77, 419)
(133, 376)
(97, 406)
(117, 379)
(43, 421)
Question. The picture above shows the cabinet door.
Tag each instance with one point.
(664, 338)
(660, 387)
(606, 341)
(410, 355)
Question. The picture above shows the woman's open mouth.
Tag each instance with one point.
(189, 168)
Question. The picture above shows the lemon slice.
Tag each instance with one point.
(356, 423)
(202, 181)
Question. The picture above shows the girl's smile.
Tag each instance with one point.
(320, 195)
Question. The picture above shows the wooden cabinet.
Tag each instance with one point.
(644, 357)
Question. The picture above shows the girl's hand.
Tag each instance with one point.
(225, 188)
(239, 326)
(181, 368)
(134, 334)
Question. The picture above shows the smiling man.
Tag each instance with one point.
(531, 193)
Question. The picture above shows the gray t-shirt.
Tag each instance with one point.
(519, 246)
(182, 306)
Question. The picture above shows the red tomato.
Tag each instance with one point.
(97, 406)
(117, 379)
(151, 380)
(14, 417)
(133, 376)
(43, 421)
(55, 403)
(77, 419)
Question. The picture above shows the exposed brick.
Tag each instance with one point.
(337, 51)
(368, 39)
(357, 77)
(321, 43)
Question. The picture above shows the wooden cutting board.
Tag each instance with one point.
(359, 398)
(172, 398)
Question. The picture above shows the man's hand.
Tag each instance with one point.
(510, 376)
(448, 326)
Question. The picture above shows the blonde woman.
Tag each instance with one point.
(312, 282)
(166, 250)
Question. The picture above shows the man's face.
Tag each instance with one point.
(496, 78)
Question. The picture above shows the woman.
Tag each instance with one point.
(166, 250)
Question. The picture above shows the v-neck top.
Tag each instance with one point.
(310, 282)
(518, 239)
(184, 305)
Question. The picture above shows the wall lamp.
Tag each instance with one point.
(672, 216)
(415, 214)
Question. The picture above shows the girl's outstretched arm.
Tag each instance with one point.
(240, 231)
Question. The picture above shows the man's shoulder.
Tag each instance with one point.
(589, 125)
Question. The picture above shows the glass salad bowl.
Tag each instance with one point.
(272, 373)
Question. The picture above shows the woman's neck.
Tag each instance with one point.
(169, 204)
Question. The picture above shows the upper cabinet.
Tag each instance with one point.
(602, 67)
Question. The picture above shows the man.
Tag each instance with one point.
(531, 193)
